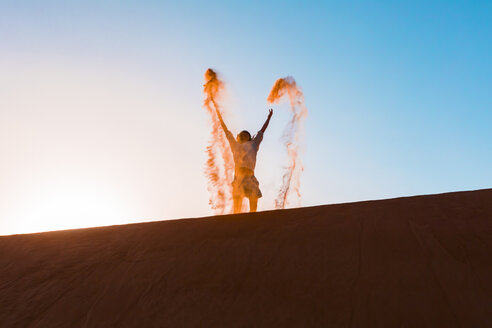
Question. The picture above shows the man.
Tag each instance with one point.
(244, 150)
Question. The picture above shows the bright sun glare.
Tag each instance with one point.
(68, 206)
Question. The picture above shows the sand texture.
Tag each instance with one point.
(422, 261)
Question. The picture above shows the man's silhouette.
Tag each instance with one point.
(244, 151)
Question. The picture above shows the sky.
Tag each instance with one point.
(101, 117)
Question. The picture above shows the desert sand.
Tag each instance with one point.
(421, 261)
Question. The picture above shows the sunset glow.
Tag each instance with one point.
(102, 119)
(71, 204)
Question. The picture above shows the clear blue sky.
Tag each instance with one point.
(107, 94)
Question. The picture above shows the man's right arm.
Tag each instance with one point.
(228, 133)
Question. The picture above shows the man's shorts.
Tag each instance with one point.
(245, 185)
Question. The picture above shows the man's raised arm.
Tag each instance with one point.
(264, 127)
(228, 133)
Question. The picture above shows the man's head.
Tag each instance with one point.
(243, 136)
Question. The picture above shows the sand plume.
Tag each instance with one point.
(220, 164)
(292, 137)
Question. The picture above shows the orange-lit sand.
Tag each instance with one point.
(292, 137)
(409, 262)
(220, 164)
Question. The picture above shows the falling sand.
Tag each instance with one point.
(220, 163)
(292, 137)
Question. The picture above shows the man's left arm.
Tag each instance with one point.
(259, 135)
(265, 125)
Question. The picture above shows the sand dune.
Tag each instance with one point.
(420, 261)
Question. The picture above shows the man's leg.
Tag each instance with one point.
(253, 203)
(238, 203)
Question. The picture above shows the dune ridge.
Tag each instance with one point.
(421, 261)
